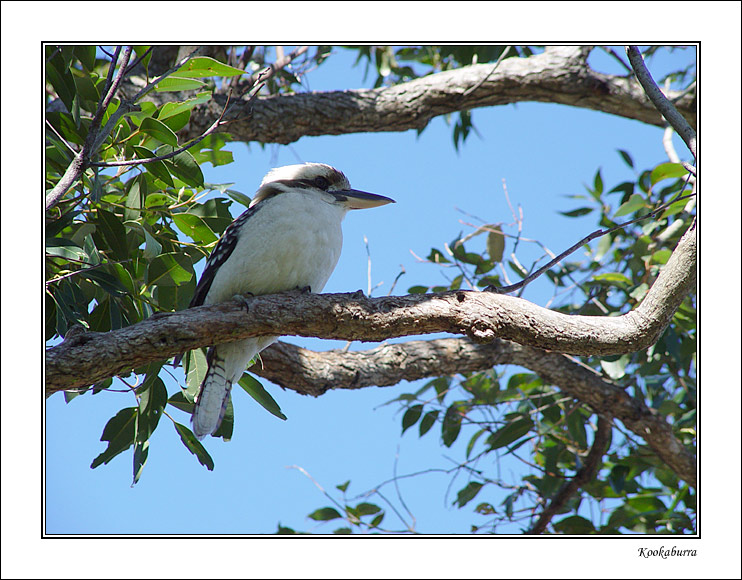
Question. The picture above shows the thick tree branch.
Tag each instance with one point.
(483, 316)
(559, 75)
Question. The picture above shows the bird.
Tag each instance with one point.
(289, 238)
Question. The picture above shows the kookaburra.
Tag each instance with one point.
(289, 237)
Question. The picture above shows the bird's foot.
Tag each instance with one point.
(242, 299)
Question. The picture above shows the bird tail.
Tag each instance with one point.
(226, 362)
(213, 397)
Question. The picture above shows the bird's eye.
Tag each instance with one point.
(321, 182)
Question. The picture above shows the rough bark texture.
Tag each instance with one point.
(559, 75)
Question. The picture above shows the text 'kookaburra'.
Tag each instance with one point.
(290, 237)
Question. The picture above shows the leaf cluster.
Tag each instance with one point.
(123, 243)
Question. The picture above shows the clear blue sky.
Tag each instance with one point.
(544, 152)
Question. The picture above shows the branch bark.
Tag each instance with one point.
(559, 75)
(483, 316)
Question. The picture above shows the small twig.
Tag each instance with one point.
(672, 155)
(578, 245)
(62, 139)
(661, 103)
(140, 59)
(613, 53)
(470, 90)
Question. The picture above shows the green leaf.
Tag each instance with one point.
(176, 122)
(156, 168)
(613, 279)
(325, 514)
(86, 55)
(667, 171)
(577, 212)
(141, 451)
(106, 281)
(367, 509)
(626, 157)
(512, 431)
(184, 166)
(63, 248)
(495, 244)
(59, 76)
(178, 84)
(113, 233)
(179, 401)
(169, 270)
(159, 131)
(152, 400)
(120, 434)
(194, 446)
(451, 425)
(428, 421)
(135, 198)
(635, 203)
(575, 525)
(152, 247)
(240, 198)
(576, 428)
(343, 531)
(411, 417)
(617, 478)
(468, 493)
(253, 388)
(172, 109)
(343, 486)
(196, 367)
(204, 66)
(194, 227)
(473, 441)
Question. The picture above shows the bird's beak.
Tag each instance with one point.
(354, 199)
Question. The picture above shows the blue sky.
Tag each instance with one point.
(544, 153)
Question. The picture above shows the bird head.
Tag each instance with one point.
(318, 178)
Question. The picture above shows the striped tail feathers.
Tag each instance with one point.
(226, 362)
(213, 397)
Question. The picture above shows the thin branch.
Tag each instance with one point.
(578, 245)
(484, 79)
(613, 53)
(659, 100)
(110, 92)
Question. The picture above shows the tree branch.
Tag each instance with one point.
(662, 104)
(483, 316)
(559, 75)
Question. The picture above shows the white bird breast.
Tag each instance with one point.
(293, 240)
